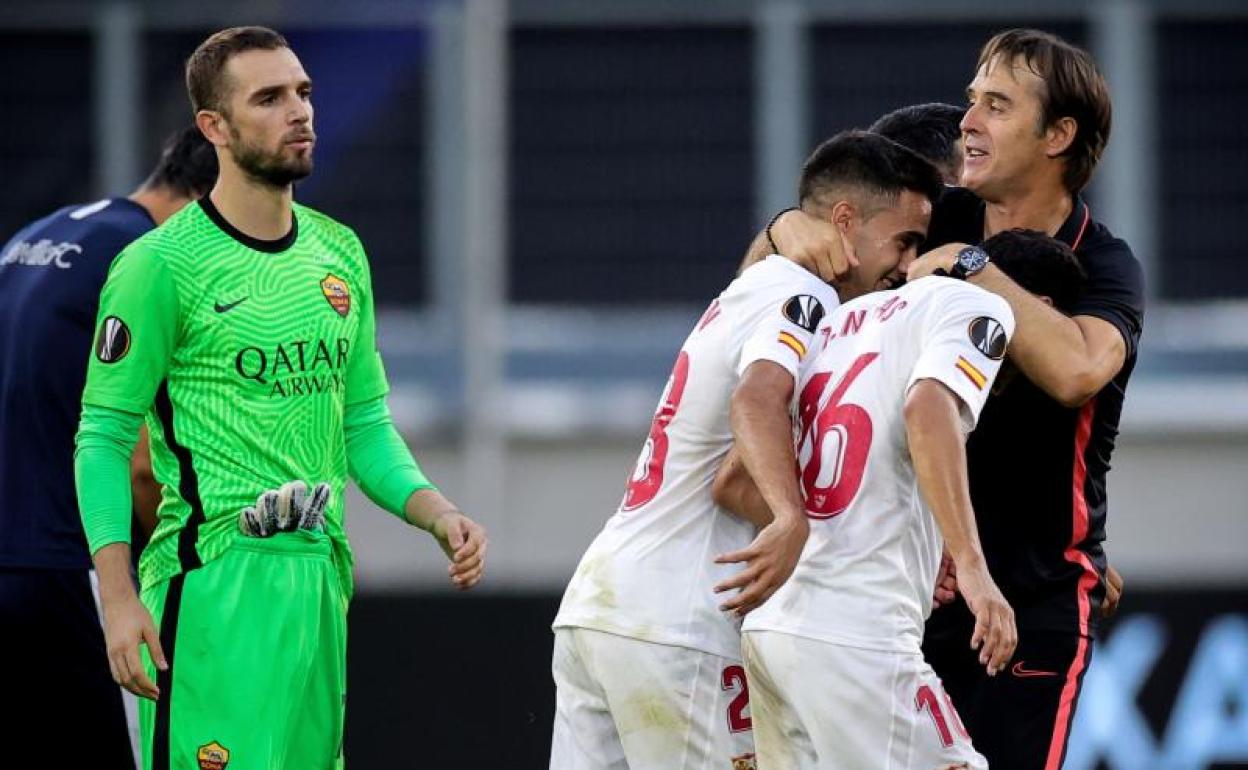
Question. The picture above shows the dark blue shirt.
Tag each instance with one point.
(51, 274)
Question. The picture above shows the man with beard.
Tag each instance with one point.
(243, 329)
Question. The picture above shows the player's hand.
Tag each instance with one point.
(946, 582)
(127, 624)
(769, 561)
(465, 544)
(995, 634)
(941, 258)
(1113, 592)
(820, 247)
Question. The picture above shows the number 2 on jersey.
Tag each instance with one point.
(838, 437)
(648, 476)
(738, 720)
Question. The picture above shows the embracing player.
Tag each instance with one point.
(836, 673)
(647, 662)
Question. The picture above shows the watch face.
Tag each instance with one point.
(971, 260)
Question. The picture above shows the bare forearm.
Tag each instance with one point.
(938, 451)
(761, 425)
(737, 493)
(764, 439)
(751, 507)
(760, 247)
(425, 506)
(112, 567)
(1051, 349)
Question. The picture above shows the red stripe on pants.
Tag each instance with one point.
(1087, 581)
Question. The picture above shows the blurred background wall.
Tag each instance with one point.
(551, 192)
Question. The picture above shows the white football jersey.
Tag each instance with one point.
(650, 573)
(866, 575)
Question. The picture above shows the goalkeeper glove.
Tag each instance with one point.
(286, 509)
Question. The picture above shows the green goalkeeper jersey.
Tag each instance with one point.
(243, 355)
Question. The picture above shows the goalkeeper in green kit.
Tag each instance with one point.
(243, 330)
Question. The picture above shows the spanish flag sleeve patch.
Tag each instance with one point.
(796, 345)
(976, 377)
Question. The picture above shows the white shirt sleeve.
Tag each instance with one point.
(964, 340)
(784, 309)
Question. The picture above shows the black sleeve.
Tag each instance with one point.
(1115, 290)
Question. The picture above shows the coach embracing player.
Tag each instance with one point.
(1037, 123)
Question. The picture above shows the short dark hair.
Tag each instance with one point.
(868, 163)
(205, 69)
(1040, 264)
(187, 165)
(932, 130)
(1073, 88)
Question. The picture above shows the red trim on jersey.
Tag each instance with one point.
(711, 314)
(1087, 217)
(1079, 528)
(1087, 581)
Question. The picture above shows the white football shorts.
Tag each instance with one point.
(627, 704)
(831, 707)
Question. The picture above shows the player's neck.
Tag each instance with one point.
(255, 209)
(160, 203)
(1042, 207)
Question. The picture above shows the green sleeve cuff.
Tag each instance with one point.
(378, 459)
(105, 442)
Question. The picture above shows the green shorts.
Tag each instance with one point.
(256, 642)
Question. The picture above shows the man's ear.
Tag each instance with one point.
(843, 215)
(212, 125)
(1059, 136)
(1046, 300)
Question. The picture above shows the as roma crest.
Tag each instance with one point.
(338, 293)
(213, 756)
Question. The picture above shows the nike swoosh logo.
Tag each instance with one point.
(217, 306)
(1027, 673)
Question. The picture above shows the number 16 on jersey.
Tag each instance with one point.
(835, 441)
